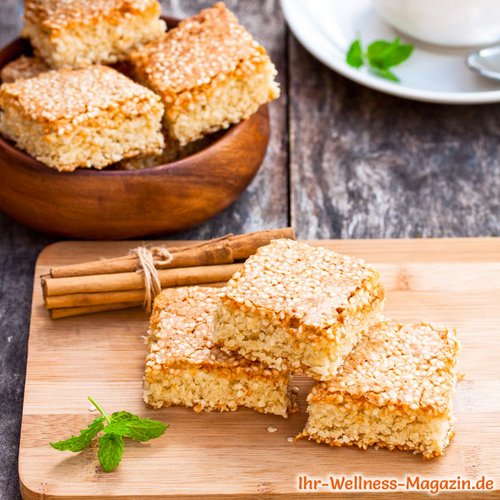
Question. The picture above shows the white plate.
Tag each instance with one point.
(326, 28)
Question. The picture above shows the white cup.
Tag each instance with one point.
(444, 22)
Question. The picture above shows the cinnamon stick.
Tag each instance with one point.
(117, 282)
(223, 250)
(244, 245)
(73, 300)
(79, 311)
(210, 253)
(93, 299)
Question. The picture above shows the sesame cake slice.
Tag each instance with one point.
(209, 72)
(22, 67)
(300, 307)
(91, 117)
(185, 367)
(394, 391)
(78, 33)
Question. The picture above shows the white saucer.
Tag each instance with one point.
(327, 28)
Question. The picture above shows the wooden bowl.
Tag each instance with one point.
(117, 204)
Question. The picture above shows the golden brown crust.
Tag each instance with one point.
(379, 444)
(410, 367)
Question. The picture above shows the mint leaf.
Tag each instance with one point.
(377, 51)
(384, 54)
(80, 442)
(354, 55)
(122, 416)
(384, 73)
(110, 451)
(134, 427)
(399, 55)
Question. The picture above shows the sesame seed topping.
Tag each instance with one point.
(208, 45)
(73, 96)
(304, 285)
(400, 365)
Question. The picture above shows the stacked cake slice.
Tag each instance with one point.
(185, 366)
(299, 307)
(294, 308)
(393, 391)
(88, 117)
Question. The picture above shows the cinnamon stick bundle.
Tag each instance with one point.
(125, 287)
(112, 284)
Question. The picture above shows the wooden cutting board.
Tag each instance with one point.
(456, 281)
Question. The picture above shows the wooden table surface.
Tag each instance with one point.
(344, 162)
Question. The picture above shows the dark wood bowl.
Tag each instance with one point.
(117, 204)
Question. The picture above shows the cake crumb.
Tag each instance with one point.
(271, 429)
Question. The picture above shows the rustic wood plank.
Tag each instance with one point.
(456, 282)
(365, 164)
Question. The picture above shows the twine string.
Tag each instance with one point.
(147, 260)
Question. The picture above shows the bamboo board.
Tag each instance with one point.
(456, 281)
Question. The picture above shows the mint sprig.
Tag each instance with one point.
(380, 56)
(114, 427)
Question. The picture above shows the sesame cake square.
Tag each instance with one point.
(300, 307)
(209, 72)
(91, 117)
(394, 391)
(185, 367)
(23, 67)
(78, 33)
